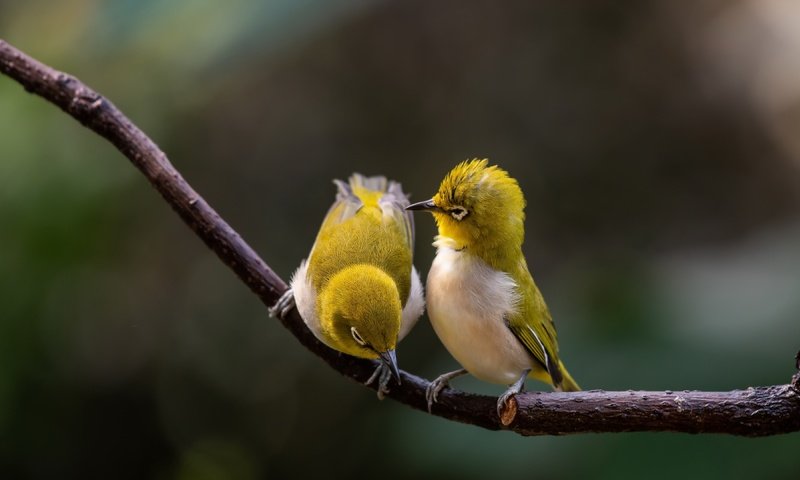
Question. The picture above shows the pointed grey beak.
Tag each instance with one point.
(426, 205)
(389, 358)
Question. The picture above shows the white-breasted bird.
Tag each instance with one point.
(482, 300)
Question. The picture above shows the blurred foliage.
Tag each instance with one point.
(655, 141)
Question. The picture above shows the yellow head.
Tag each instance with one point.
(480, 208)
(360, 313)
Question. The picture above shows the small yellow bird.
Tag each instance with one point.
(482, 301)
(358, 292)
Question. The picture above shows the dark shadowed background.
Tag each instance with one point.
(656, 141)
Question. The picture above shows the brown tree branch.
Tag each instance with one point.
(752, 412)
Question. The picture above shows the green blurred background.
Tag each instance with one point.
(656, 141)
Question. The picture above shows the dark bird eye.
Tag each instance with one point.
(458, 213)
(357, 337)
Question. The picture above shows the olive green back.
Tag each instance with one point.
(366, 225)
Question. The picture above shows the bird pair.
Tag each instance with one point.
(359, 293)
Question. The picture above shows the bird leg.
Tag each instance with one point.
(383, 374)
(515, 388)
(436, 386)
(283, 306)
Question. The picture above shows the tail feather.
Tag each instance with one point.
(378, 183)
(377, 191)
(359, 186)
(568, 384)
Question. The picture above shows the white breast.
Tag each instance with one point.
(467, 300)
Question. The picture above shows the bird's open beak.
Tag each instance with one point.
(426, 205)
(389, 358)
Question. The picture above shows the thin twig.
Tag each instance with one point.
(752, 412)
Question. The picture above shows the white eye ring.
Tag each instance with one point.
(458, 213)
(357, 337)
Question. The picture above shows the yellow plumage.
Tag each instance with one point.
(482, 300)
(358, 291)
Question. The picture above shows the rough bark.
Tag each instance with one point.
(752, 412)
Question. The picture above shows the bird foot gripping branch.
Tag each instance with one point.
(283, 306)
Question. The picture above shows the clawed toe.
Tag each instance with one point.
(433, 390)
(382, 374)
(440, 383)
(283, 306)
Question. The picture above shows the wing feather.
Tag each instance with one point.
(393, 204)
(532, 324)
(367, 223)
